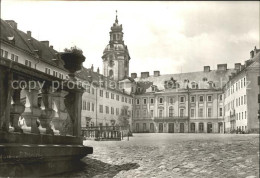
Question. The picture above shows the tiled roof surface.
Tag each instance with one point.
(216, 76)
(28, 44)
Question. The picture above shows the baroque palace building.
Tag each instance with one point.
(207, 101)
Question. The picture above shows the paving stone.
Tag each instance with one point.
(172, 155)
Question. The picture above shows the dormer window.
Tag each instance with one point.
(211, 84)
(138, 89)
(194, 85)
(204, 79)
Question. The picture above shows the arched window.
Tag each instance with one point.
(111, 73)
(171, 111)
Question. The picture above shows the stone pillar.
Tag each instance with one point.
(17, 109)
(205, 127)
(5, 98)
(32, 111)
(47, 111)
(73, 102)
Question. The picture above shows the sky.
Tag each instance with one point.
(169, 36)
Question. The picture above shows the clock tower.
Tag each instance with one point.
(116, 56)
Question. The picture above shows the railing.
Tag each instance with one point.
(30, 104)
(168, 119)
(105, 132)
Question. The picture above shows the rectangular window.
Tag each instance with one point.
(220, 97)
(209, 98)
(88, 106)
(244, 81)
(107, 110)
(193, 99)
(107, 94)
(220, 111)
(137, 101)
(122, 99)
(112, 110)
(151, 100)
(245, 114)
(101, 93)
(244, 99)
(125, 99)
(192, 112)
(242, 115)
(112, 95)
(117, 111)
(181, 112)
(2, 52)
(93, 91)
(144, 101)
(137, 113)
(161, 100)
(201, 98)
(160, 113)
(129, 100)
(84, 107)
(101, 108)
(171, 100)
(5, 54)
(201, 112)
(182, 99)
(117, 97)
(12, 57)
(144, 126)
(209, 112)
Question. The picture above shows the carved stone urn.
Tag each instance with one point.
(72, 62)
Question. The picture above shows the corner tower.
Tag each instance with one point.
(116, 56)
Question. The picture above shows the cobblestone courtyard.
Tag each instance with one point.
(174, 155)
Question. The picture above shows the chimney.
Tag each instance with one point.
(133, 75)
(12, 23)
(242, 67)
(237, 66)
(255, 51)
(51, 46)
(156, 73)
(251, 54)
(92, 68)
(206, 68)
(144, 74)
(46, 43)
(98, 70)
(29, 33)
(222, 67)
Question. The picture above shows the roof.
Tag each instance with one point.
(97, 80)
(218, 77)
(28, 44)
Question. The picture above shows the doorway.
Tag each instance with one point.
(171, 127)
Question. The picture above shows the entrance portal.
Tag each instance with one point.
(209, 128)
(192, 127)
(181, 127)
(171, 127)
